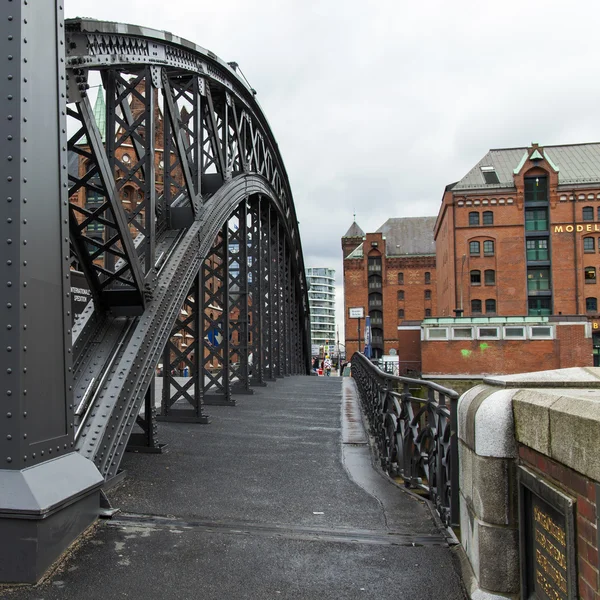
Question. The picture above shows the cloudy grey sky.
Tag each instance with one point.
(376, 106)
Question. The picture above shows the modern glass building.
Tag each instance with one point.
(321, 298)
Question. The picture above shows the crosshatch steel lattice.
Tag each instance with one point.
(169, 196)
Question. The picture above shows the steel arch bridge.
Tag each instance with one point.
(170, 197)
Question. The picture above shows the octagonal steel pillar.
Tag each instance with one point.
(48, 493)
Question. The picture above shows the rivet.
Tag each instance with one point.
(8, 459)
(8, 415)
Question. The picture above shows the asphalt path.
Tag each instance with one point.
(275, 498)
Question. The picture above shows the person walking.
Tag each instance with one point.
(327, 365)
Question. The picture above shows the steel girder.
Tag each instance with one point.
(209, 252)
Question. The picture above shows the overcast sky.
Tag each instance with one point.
(376, 106)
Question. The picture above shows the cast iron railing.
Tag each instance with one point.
(416, 437)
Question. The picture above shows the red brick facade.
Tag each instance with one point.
(407, 290)
(505, 259)
(584, 491)
(569, 348)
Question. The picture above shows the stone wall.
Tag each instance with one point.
(548, 423)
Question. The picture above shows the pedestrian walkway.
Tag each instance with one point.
(276, 498)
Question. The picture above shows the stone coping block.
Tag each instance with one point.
(562, 423)
(485, 421)
(575, 377)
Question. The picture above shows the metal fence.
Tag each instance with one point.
(414, 423)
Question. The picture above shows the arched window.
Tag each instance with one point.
(488, 217)
(400, 294)
(588, 213)
(475, 307)
(427, 294)
(476, 277)
(590, 275)
(474, 248)
(400, 278)
(589, 245)
(591, 304)
(427, 312)
(427, 277)
(490, 277)
(401, 313)
(473, 219)
(488, 248)
(490, 306)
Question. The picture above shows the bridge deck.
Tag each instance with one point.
(265, 502)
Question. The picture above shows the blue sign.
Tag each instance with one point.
(215, 337)
(368, 349)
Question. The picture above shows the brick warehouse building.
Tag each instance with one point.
(517, 237)
(391, 274)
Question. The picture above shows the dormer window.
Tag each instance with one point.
(536, 189)
(489, 175)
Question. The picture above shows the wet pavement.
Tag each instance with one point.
(276, 498)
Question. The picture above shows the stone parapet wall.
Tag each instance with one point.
(546, 424)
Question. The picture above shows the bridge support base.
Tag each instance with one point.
(43, 510)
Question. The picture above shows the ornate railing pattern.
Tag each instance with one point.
(415, 436)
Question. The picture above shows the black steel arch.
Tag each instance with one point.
(220, 163)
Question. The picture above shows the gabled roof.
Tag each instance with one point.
(409, 236)
(575, 163)
(354, 231)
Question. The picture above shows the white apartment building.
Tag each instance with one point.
(321, 298)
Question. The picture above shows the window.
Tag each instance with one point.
(401, 313)
(374, 263)
(462, 333)
(400, 294)
(490, 277)
(475, 307)
(474, 248)
(490, 306)
(590, 275)
(473, 218)
(536, 189)
(438, 333)
(427, 312)
(539, 306)
(475, 277)
(427, 294)
(427, 277)
(537, 249)
(489, 175)
(538, 280)
(541, 332)
(588, 213)
(374, 282)
(599, 213)
(488, 217)
(589, 245)
(376, 317)
(488, 248)
(591, 304)
(514, 333)
(489, 333)
(536, 219)
(400, 278)
(375, 300)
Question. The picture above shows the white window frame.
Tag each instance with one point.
(437, 339)
(462, 338)
(488, 337)
(541, 337)
(514, 337)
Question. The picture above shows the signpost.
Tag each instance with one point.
(368, 336)
(357, 313)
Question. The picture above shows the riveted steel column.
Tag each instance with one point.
(48, 493)
(276, 301)
(267, 291)
(255, 286)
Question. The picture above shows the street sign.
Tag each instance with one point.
(215, 337)
(356, 313)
